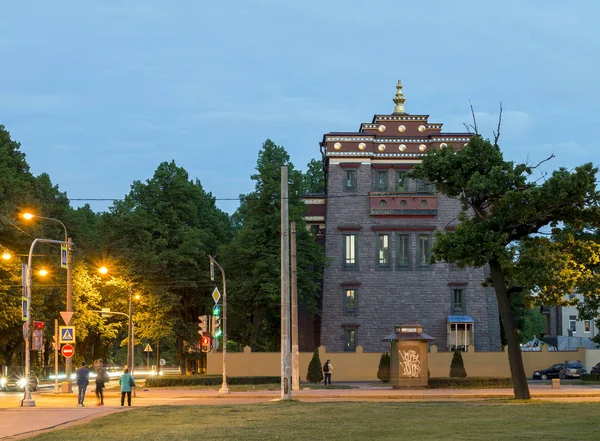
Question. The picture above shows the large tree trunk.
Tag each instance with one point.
(515, 356)
(256, 321)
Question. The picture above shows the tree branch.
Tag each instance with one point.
(474, 126)
(497, 132)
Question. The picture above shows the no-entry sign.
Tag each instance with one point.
(67, 351)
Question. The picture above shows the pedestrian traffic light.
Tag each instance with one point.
(38, 325)
(205, 344)
(217, 331)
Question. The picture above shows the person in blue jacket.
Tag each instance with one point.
(127, 383)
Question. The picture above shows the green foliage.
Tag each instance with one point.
(206, 380)
(590, 377)
(383, 371)
(313, 180)
(253, 258)
(315, 370)
(457, 366)
(469, 383)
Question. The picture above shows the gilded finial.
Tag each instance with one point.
(399, 100)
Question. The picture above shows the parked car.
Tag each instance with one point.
(595, 369)
(14, 381)
(574, 370)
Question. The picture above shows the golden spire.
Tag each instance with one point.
(399, 100)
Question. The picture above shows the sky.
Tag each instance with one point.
(100, 93)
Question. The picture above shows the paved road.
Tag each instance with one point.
(59, 410)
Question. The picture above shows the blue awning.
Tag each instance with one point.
(460, 319)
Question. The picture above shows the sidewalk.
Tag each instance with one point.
(56, 410)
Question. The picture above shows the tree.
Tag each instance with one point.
(252, 259)
(501, 208)
(313, 181)
(315, 371)
(457, 366)
(162, 234)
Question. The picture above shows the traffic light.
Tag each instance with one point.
(38, 325)
(205, 344)
(202, 324)
(217, 330)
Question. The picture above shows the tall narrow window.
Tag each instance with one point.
(573, 323)
(403, 251)
(350, 340)
(350, 300)
(383, 250)
(458, 301)
(587, 326)
(424, 250)
(381, 180)
(400, 181)
(350, 179)
(350, 251)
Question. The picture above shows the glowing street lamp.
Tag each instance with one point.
(6, 255)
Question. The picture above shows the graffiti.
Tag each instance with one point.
(410, 363)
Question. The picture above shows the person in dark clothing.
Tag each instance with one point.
(327, 369)
(83, 379)
(101, 379)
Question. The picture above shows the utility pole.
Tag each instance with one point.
(286, 392)
(295, 351)
(224, 388)
(68, 361)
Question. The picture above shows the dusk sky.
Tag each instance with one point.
(100, 93)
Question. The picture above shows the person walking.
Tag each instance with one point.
(101, 379)
(327, 369)
(83, 379)
(127, 383)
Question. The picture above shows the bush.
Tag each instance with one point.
(206, 380)
(383, 372)
(470, 383)
(457, 367)
(315, 371)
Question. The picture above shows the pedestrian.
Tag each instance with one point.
(327, 369)
(127, 383)
(83, 379)
(101, 379)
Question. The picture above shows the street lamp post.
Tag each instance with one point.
(224, 389)
(68, 362)
(27, 400)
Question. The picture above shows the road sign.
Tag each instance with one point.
(63, 255)
(162, 362)
(148, 348)
(37, 340)
(24, 308)
(212, 271)
(67, 351)
(67, 334)
(216, 311)
(66, 316)
(215, 344)
(25, 330)
(216, 295)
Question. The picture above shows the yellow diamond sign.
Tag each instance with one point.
(216, 295)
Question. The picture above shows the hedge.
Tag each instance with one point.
(206, 380)
(470, 383)
(590, 377)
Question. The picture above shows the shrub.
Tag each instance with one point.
(457, 367)
(206, 380)
(315, 371)
(590, 377)
(383, 372)
(470, 383)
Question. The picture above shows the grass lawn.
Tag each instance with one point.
(249, 387)
(487, 420)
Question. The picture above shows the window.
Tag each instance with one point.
(587, 326)
(350, 299)
(350, 180)
(573, 323)
(381, 180)
(424, 250)
(350, 340)
(423, 186)
(403, 251)
(383, 250)
(401, 181)
(350, 251)
(458, 300)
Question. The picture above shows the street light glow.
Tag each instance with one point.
(28, 216)
(6, 255)
(103, 270)
(43, 272)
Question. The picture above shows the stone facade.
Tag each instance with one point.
(365, 295)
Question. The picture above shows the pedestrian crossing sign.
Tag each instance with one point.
(67, 334)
